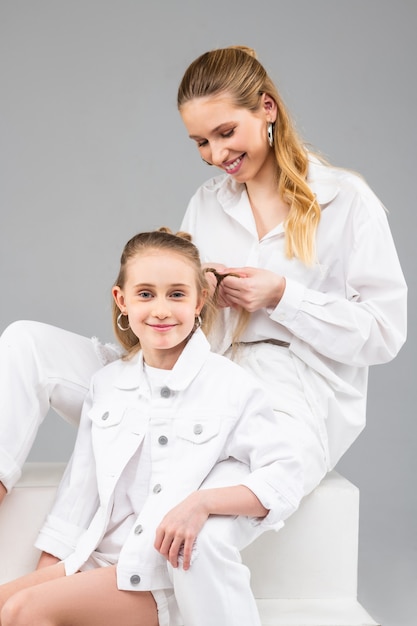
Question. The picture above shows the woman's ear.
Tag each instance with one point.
(119, 298)
(269, 107)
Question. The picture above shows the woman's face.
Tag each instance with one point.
(230, 137)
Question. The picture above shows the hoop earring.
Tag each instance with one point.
(198, 322)
(119, 326)
(270, 131)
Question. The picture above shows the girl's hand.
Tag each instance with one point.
(180, 527)
(254, 289)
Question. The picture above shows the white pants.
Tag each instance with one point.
(42, 366)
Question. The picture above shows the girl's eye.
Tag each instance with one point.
(145, 295)
(177, 294)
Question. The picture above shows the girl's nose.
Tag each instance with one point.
(161, 311)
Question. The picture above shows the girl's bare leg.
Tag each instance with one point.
(3, 492)
(85, 599)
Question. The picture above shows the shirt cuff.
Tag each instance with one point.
(290, 303)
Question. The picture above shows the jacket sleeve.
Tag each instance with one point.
(76, 500)
(267, 443)
(366, 324)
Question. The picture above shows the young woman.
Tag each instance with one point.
(129, 507)
(316, 295)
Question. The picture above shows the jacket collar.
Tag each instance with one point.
(195, 354)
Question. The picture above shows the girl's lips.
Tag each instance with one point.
(232, 167)
(161, 326)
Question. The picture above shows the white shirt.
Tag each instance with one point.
(209, 410)
(341, 315)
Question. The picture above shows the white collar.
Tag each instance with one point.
(190, 362)
(320, 178)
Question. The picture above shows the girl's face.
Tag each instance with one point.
(230, 137)
(161, 299)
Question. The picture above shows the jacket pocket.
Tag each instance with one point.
(105, 416)
(197, 431)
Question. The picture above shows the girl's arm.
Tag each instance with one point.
(46, 559)
(180, 526)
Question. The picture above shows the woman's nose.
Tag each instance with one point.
(218, 154)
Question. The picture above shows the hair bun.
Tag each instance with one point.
(181, 234)
(250, 51)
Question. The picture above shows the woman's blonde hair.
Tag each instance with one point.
(237, 72)
(165, 241)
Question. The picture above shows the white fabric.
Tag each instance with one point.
(341, 315)
(213, 410)
(40, 367)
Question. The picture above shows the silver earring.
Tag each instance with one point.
(123, 328)
(198, 322)
(270, 131)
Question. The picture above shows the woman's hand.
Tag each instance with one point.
(254, 289)
(180, 527)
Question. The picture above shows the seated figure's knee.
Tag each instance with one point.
(20, 333)
(16, 611)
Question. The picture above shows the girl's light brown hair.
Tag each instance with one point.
(235, 71)
(165, 241)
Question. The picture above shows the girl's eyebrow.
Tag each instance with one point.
(150, 285)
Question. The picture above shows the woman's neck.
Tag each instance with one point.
(268, 207)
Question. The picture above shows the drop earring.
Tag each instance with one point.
(270, 131)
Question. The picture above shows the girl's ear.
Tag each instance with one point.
(269, 107)
(119, 298)
(201, 301)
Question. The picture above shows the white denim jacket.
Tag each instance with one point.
(209, 410)
(342, 314)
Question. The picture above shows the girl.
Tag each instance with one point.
(153, 425)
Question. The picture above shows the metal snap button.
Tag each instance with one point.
(165, 392)
(135, 579)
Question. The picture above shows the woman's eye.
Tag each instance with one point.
(228, 133)
(202, 143)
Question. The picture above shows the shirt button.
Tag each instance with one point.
(162, 440)
(105, 415)
(198, 429)
(135, 579)
(157, 488)
(138, 529)
(165, 392)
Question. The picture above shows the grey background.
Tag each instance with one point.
(93, 150)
